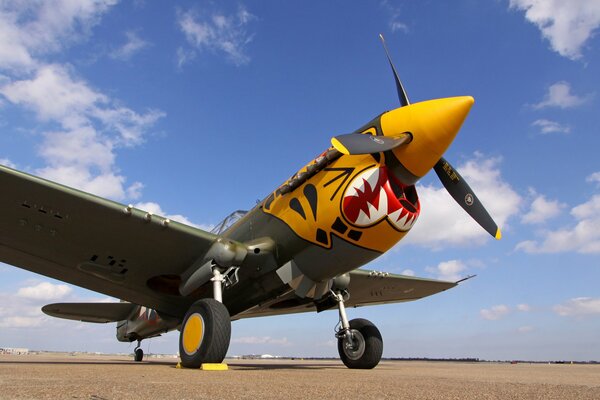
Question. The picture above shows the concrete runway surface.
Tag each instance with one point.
(116, 377)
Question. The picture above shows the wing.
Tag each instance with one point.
(366, 288)
(372, 287)
(91, 312)
(95, 243)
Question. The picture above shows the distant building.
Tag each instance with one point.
(256, 356)
(13, 350)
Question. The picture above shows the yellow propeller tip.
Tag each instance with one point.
(498, 234)
(339, 146)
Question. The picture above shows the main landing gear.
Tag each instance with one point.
(359, 342)
(138, 353)
(206, 329)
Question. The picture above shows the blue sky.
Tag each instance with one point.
(195, 109)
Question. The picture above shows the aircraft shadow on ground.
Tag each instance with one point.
(237, 366)
(261, 366)
(74, 362)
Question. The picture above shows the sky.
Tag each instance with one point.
(194, 109)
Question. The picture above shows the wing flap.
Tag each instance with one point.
(91, 312)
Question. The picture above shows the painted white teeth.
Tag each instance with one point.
(367, 184)
(401, 223)
(373, 178)
(362, 219)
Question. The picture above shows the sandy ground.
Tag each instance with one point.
(114, 377)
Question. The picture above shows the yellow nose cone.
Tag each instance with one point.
(433, 123)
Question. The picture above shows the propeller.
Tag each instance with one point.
(462, 193)
(358, 143)
(401, 92)
(353, 143)
(455, 184)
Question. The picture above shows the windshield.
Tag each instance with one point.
(228, 221)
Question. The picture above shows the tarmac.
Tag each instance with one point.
(118, 377)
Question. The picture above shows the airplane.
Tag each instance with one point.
(298, 250)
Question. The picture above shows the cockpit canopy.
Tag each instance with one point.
(228, 221)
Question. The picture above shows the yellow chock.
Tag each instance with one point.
(208, 367)
(214, 367)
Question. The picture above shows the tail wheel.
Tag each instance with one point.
(138, 354)
(205, 334)
(366, 347)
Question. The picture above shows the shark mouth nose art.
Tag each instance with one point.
(374, 195)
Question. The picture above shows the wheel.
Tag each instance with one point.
(138, 354)
(205, 334)
(366, 348)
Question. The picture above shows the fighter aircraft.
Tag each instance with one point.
(298, 250)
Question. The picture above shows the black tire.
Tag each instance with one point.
(138, 355)
(366, 332)
(205, 334)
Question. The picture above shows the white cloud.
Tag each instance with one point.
(495, 312)
(548, 126)
(6, 162)
(54, 95)
(408, 272)
(83, 127)
(566, 24)
(448, 270)
(22, 308)
(578, 307)
(395, 24)
(583, 237)
(215, 32)
(184, 56)
(135, 190)
(261, 340)
(559, 95)
(20, 322)
(524, 307)
(442, 222)
(542, 210)
(594, 178)
(44, 291)
(82, 153)
(30, 28)
(398, 26)
(133, 45)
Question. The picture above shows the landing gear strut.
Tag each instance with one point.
(359, 342)
(138, 353)
(206, 329)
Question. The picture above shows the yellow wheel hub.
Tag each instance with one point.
(193, 333)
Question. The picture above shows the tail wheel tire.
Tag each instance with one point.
(366, 348)
(205, 334)
(138, 355)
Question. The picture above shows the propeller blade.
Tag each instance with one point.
(359, 143)
(464, 196)
(401, 92)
